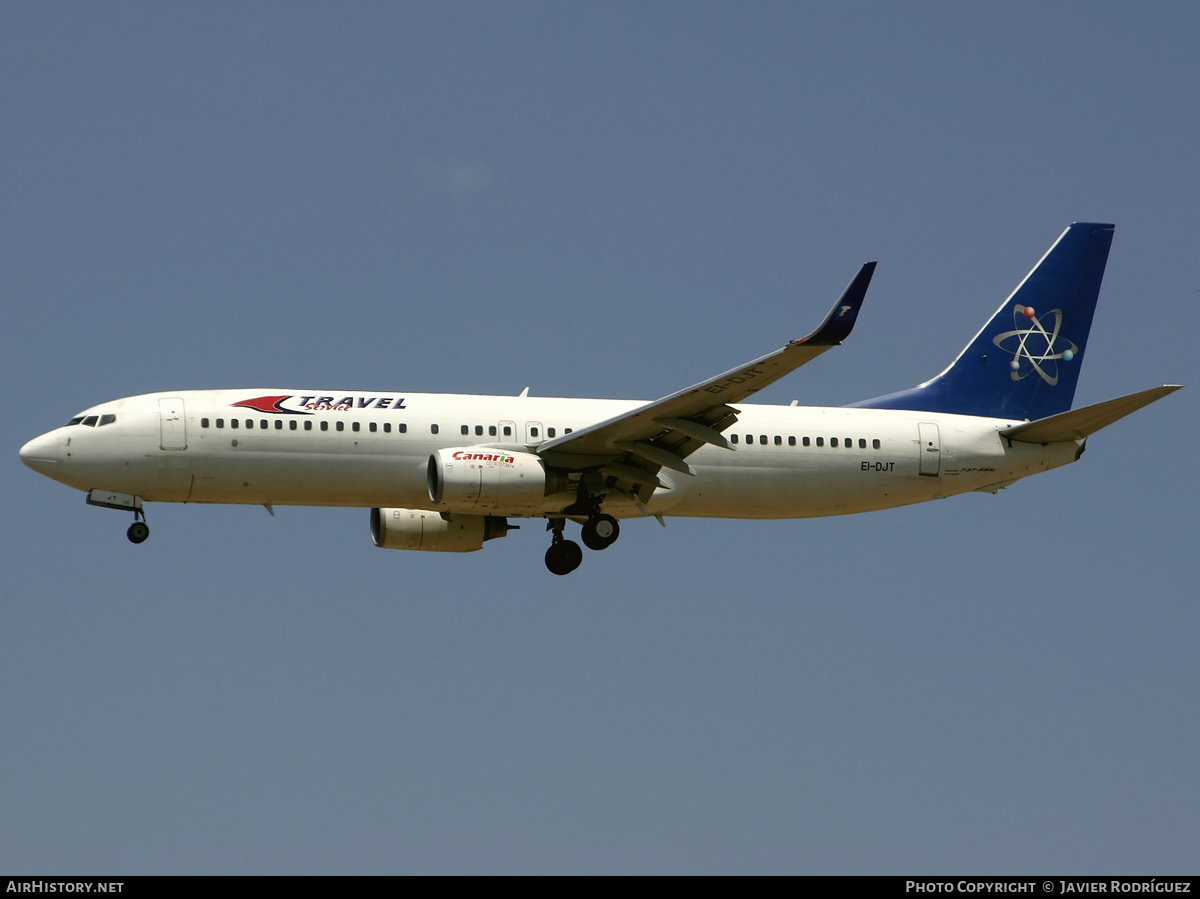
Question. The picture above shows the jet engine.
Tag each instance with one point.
(479, 479)
(434, 531)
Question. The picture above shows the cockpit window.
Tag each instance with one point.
(92, 421)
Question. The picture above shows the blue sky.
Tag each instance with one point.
(595, 200)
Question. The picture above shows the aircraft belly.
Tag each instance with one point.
(311, 479)
(833, 485)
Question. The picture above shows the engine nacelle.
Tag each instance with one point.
(478, 479)
(434, 531)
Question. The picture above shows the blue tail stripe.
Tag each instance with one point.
(1024, 363)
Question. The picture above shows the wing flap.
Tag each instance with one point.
(696, 431)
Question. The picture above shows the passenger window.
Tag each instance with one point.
(848, 443)
(792, 440)
(749, 439)
(279, 424)
(220, 422)
(233, 423)
(90, 421)
(507, 431)
(478, 430)
(433, 429)
(805, 441)
(325, 425)
(354, 426)
(249, 423)
(372, 427)
(204, 422)
(533, 432)
(341, 426)
(308, 424)
(263, 424)
(402, 428)
(833, 441)
(491, 430)
(387, 427)
(567, 430)
(762, 438)
(778, 440)
(549, 432)
(465, 430)
(820, 441)
(733, 438)
(875, 443)
(862, 443)
(292, 424)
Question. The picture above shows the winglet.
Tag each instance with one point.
(840, 321)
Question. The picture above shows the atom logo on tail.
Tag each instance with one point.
(1034, 344)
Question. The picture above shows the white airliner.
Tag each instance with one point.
(445, 472)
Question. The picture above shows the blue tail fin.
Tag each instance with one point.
(1024, 364)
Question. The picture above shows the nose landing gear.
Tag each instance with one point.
(138, 531)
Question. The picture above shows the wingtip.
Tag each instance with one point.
(840, 320)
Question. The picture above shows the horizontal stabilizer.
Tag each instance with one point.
(1079, 423)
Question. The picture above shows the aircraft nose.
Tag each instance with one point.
(41, 454)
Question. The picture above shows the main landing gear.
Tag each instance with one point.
(563, 556)
(599, 532)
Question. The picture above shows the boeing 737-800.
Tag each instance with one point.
(445, 472)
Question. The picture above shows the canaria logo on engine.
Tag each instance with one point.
(498, 458)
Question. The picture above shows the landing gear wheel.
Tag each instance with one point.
(563, 556)
(137, 532)
(600, 532)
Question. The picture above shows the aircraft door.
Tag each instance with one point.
(172, 421)
(930, 447)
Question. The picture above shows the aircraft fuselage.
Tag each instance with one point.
(787, 461)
